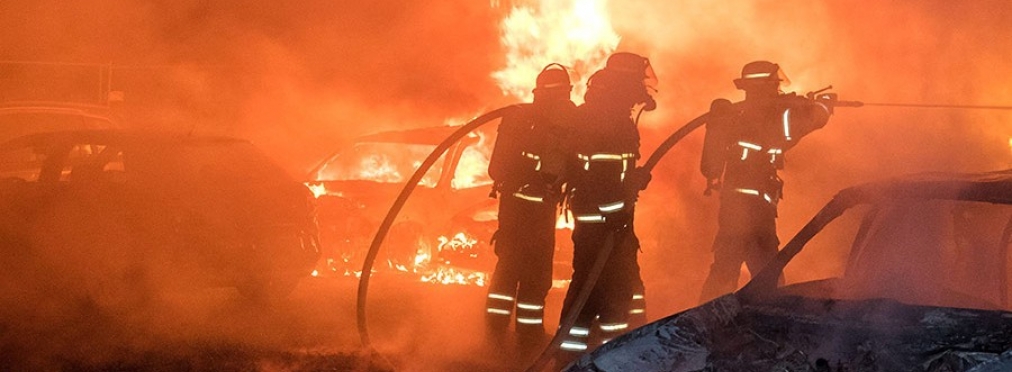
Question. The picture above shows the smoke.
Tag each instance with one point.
(928, 52)
(300, 78)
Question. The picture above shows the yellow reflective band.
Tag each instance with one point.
(503, 297)
(611, 207)
(529, 320)
(606, 157)
(750, 145)
(536, 199)
(614, 327)
(637, 296)
(637, 311)
(579, 331)
(787, 124)
(498, 311)
(529, 306)
(590, 218)
(748, 191)
(757, 75)
(573, 346)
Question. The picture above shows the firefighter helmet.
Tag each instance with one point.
(553, 76)
(626, 78)
(760, 74)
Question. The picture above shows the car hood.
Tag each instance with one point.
(805, 334)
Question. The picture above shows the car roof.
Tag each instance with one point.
(64, 108)
(417, 136)
(990, 187)
(118, 136)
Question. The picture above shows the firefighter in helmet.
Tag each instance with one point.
(743, 149)
(602, 186)
(527, 168)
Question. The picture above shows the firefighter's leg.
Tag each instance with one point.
(617, 283)
(586, 244)
(726, 266)
(638, 306)
(501, 300)
(503, 285)
(764, 248)
(535, 281)
(729, 247)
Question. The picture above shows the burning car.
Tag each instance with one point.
(111, 213)
(449, 219)
(921, 285)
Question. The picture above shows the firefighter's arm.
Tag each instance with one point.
(804, 116)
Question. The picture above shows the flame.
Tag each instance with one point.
(317, 188)
(459, 243)
(472, 169)
(565, 220)
(574, 33)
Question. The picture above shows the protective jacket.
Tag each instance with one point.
(602, 199)
(745, 144)
(525, 166)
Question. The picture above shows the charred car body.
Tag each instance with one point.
(449, 218)
(922, 287)
(117, 213)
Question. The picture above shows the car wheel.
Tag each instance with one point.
(406, 239)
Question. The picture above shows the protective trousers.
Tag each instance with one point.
(525, 246)
(747, 232)
(610, 299)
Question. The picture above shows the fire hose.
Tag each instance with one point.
(370, 258)
(569, 319)
(583, 294)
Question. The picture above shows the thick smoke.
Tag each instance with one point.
(928, 52)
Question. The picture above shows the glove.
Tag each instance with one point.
(639, 178)
(828, 99)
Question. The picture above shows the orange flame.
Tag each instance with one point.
(472, 169)
(574, 33)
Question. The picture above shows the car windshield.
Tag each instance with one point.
(925, 252)
(382, 162)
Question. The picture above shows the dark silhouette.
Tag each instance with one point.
(743, 149)
(603, 183)
(527, 165)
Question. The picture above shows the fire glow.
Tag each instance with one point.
(574, 33)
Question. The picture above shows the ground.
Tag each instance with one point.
(412, 326)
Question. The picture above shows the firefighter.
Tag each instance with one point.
(602, 188)
(526, 166)
(743, 148)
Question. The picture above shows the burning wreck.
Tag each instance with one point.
(451, 223)
(923, 288)
(115, 215)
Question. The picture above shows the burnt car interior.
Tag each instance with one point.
(925, 241)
